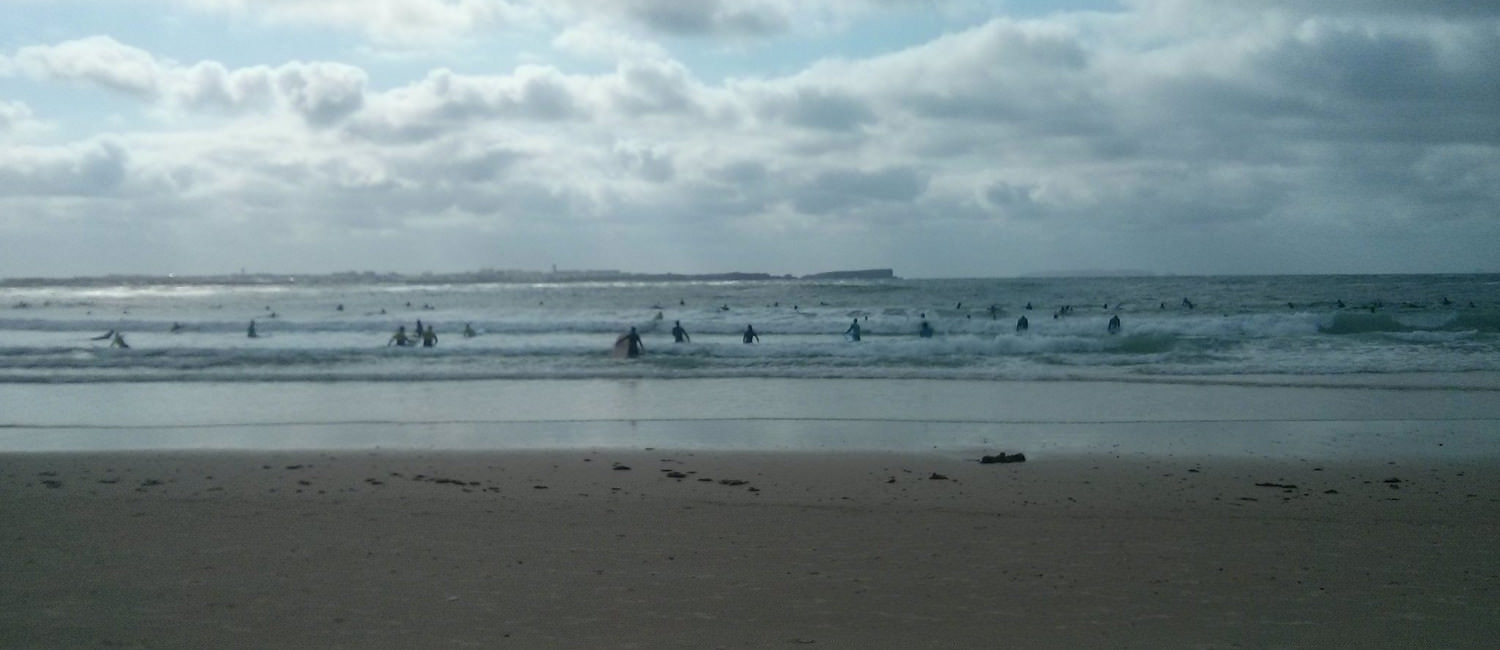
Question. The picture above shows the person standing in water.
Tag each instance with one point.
(1114, 324)
(118, 341)
(429, 337)
(680, 335)
(853, 331)
(633, 344)
(251, 332)
(1022, 324)
(925, 331)
(469, 332)
(750, 335)
(399, 338)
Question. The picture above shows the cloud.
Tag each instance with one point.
(16, 117)
(322, 93)
(842, 189)
(446, 102)
(319, 92)
(814, 108)
(427, 23)
(88, 169)
(1227, 130)
(707, 17)
(389, 23)
(97, 59)
(599, 41)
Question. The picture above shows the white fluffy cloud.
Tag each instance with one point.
(319, 92)
(16, 117)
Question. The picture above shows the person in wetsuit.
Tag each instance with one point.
(853, 331)
(400, 338)
(633, 345)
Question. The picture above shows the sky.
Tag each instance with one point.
(961, 138)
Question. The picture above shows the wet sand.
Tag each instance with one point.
(718, 549)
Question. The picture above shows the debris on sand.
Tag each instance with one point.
(1002, 457)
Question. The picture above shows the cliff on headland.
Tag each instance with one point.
(866, 274)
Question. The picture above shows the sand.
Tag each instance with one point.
(707, 549)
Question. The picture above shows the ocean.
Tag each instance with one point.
(539, 369)
(1290, 327)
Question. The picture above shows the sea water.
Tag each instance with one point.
(539, 369)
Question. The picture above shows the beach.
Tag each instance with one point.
(1237, 512)
(658, 548)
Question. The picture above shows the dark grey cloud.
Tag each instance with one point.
(1401, 84)
(653, 87)
(322, 93)
(740, 173)
(707, 17)
(1369, 8)
(817, 108)
(834, 190)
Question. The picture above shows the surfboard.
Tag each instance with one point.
(621, 349)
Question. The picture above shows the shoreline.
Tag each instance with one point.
(755, 414)
(743, 549)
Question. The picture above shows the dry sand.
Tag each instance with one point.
(567, 549)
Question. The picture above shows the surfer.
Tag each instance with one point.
(679, 335)
(1114, 324)
(103, 337)
(853, 331)
(1022, 324)
(251, 332)
(750, 335)
(118, 341)
(429, 337)
(176, 327)
(469, 331)
(633, 345)
(400, 338)
(925, 331)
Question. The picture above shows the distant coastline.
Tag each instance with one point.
(468, 277)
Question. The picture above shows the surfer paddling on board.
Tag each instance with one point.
(631, 341)
(680, 335)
